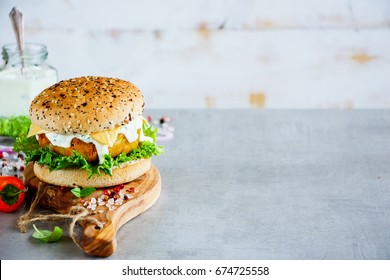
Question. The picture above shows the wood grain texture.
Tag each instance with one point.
(215, 54)
(94, 240)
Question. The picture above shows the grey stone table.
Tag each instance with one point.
(256, 184)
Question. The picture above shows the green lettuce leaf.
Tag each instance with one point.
(54, 161)
(24, 144)
(144, 150)
(149, 131)
(13, 126)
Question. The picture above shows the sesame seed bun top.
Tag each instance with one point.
(85, 105)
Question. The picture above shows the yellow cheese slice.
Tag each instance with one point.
(34, 130)
(107, 137)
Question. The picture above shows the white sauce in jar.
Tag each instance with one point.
(17, 92)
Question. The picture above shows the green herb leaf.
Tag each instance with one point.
(87, 191)
(76, 191)
(13, 126)
(84, 192)
(47, 235)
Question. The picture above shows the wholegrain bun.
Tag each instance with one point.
(86, 105)
(72, 177)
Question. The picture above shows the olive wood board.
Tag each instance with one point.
(95, 241)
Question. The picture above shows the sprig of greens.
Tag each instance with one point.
(47, 235)
(84, 192)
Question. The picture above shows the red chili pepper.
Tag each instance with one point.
(12, 193)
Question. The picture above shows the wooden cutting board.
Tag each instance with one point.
(109, 209)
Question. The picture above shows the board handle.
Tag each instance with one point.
(99, 242)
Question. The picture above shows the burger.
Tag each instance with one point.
(89, 132)
(88, 153)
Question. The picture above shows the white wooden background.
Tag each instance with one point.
(221, 53)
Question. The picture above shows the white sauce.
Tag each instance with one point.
(18, 91)
(64, 141)
(129, 130)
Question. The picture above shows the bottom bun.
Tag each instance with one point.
(72, 177)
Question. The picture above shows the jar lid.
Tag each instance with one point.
(31, 51)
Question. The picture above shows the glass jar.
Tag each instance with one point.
(23, 76)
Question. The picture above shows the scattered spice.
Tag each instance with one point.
(109, 200)
(12, 164)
